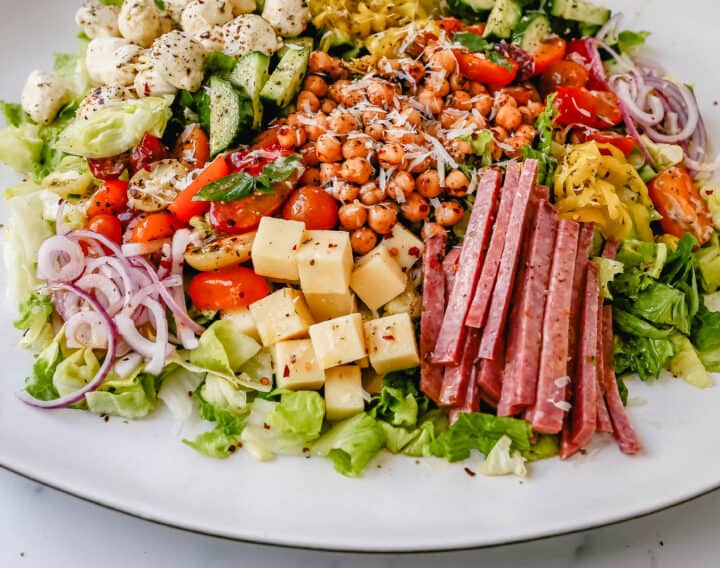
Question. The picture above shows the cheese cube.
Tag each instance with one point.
(296, 366)
(403, 246)
(391, 343)
(328, 306)
(281, 315)
(275, 248)
(343, 392)
(325, 262)
(377, 278)
(338, 341)
(243, 320)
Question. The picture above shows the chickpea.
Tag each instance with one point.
(360, 147)
(431, 101)
(526, 131)
(444, 59)
(328, 105)
(318, 127)
(449, 213)
(508, 117)
(428, 184)
(526, 114)
(429, 230)
(415, 69)
(371, 193)
(316, 85)
(336, 90)
(307, 101)
(415, 167)
(309, 155)
(504, 98)
(363, 240)
(450, 117)
(475, 88)
(400, 182)
(391, 156)
(381, 218)
(483, 104)
(328, 148)
(380, 94)
(416, 208)
(356, 170)
(460, 100)
(515, 143)
(352, 216)
(457, 82)
(345, 191)
(535, 108)
(375, 131)
(311, 176)
(345, 93)
(459, 149)
(329, 172)
(457, 183)
(291, 136)
(388, 67)
(321, 62)
(343, 123)
(370, 116)
(409, 116)
(499, 133)
(437, 83)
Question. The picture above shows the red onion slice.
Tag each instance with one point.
(107, 364)
(60, 260)
(86, 329)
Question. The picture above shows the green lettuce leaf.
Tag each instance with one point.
(21, 147)
(544, 447)
(34, 320)
(399, 401)
(132, 398)
(501, 461)
(643, 355)
(177, 389)
(628, 40)
(609, 269)
(351, 444)
(40, 383)
(708, 262)
(687, 364)
(648, 257)
(115, 128)
(75, 371)
(299, 414)
(663, 305)
(543, 150)
(223, 440)
(13, 113)
(634, 325)
(71, 67)
(679, 261)
(481, 144)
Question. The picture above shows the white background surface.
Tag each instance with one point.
(40, 527)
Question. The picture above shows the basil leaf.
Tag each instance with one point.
(229, 188)
(472, 41)
(277, 171)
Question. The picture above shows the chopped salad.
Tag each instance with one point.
(341, 227)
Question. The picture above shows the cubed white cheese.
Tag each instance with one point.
(275, 249)
(281, 315)
(296, 366)
(325, 262)
(243, 320)
(403, 246)
(338, 341)
(343, 392)
(391, 343)
(377, 278)
(328, 306)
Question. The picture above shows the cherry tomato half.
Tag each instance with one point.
(450, 25)
(149, 150)
(313, 206)
(227, 288)
(678, 201)
(581, 51)
(563, 74)
(193, 148)
(550, 50)
(477, 67)
(108, 168)
(107, 225)
(111, 197)
(155, 226)
(244, 215)
(596, 109)
(623, 143)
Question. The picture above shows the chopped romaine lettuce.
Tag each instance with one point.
(222, 393)
(609, 269)
(399, 401)
(708, 262)
(634, 325)
(664, 305)
(115, 128)
(224, 438)
(75, 371)
(34, 320)
(501, 461)
(40, 383)
(640, 354)
(351, 444)
(687, 364)
(131, 397)
(648, 257)
(177, 389)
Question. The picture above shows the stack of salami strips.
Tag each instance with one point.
(514, 317)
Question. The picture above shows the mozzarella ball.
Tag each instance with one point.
(100, 97)
(43, 95)
(98, 20)
(139, 21)
(212, 39)
(288, 17)
(175, 8)
(247, 33)
(111, 61)
(149, 82)
(156, 186)
(180, 60)
(201, 15)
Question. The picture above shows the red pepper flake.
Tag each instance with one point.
(231, 449)
(294, 247)
(388, 337)
(264, 381)
(305, 450)
(106, 418)
(293, 358)
(189, 394)
(266, 426)
(414, 251)
(470, 472)
(286, 371)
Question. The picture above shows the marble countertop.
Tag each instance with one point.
(41, 527)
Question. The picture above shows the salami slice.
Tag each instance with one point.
(433, 309)
(453, 330)
(490, 378)
(499, 304)
(587, 234)
(456, 378)
(548, 412)
(450, 268)
(603, 416)
(486, 283)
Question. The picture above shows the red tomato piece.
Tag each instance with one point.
(477, 67)
(450, 25)
(106, 225)
(579, 50)
(551, 50)
(111, 197)
(193, 148)
(244, 215)
(623, 143)
(596, 109)
(227, 288)
(678, 201)
(149, 150)
(313, 206)
(155, 226)
(563, 74)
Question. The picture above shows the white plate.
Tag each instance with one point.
(142, 468)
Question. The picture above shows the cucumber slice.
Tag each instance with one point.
(224, 114)
(533, 28)
(285, 81)
(250, 74)
(469, 8)
(580, 11)
(295, 43)
(503, 19)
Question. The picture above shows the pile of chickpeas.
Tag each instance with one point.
(347, 130)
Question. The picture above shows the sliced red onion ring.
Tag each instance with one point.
(107, 364)
(138, 249)
(60, 259)
(86, 329)
(154, 351)
(99, 284)
(127, 364)
(180, 242)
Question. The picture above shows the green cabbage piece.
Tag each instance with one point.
(351, 444)
(116, 128)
